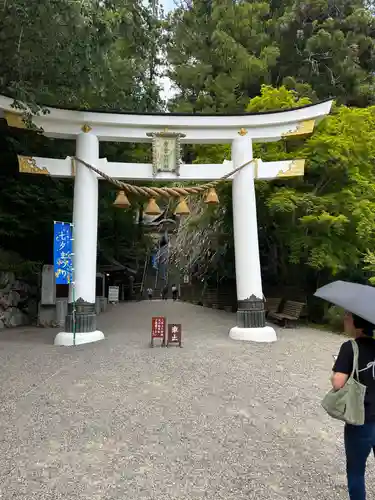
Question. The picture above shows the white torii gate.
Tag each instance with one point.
(88, 128)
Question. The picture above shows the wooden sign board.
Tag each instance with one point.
(158, 327)
(113, 294)
(174, 334)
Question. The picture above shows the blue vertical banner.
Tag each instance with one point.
(62, 252)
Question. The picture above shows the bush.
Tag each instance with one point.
(335, 318)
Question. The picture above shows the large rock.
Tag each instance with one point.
(19, 319)
(17, 307)
(6, 281)
(14, 298)
(14, 317)
(4, 302)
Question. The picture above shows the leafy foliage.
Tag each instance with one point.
(222, 52)
(219, 53)
(92, 54)
(335, 318)
(13, 262)
(329, 45)
(96, 54)
(318, 226)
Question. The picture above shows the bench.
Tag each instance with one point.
(272, 305)
(290, 313)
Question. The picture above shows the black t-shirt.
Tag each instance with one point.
(366, 367)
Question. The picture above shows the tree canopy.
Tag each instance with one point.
(257, 56)
(84, 55)
(95, 54)
(323, 221)
(221, 52)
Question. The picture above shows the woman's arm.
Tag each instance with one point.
(338, 380)
(342, 367)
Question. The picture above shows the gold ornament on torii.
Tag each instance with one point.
(305, 127)
(296, 168)
(28, 165)
(86, 128)
(14, 120)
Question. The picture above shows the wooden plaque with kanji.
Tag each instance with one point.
(174, 334)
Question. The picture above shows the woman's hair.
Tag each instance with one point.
(364, 325)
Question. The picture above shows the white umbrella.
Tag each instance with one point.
(354, 298)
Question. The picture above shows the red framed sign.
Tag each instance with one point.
(158, 327)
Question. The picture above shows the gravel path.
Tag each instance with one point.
(215, 420)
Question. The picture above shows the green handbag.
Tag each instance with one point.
(348, 403)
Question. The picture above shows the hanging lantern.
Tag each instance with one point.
(182, 207)
(121, 200)
(152, 207)
(211, 197)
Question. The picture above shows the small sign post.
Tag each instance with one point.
(158, 327)
(174, 334)
(113, 294)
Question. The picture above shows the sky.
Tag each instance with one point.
(168, 5)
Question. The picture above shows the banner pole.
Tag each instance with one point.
(73, 287)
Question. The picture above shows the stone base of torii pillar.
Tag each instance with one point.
(265, 334)
(67, 338)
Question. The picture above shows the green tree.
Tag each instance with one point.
(330, 45)
(220, 53)
(332, 206)
(310, 228)
(96, 54)
(92, 54)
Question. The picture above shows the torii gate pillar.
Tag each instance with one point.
(85, 234)
(251, 323)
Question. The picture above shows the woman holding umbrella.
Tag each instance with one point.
(359, 439)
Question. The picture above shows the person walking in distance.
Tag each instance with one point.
(174, 293)
(149, 293)
(164, 293)
(359, 439)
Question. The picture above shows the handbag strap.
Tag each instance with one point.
(355, 359)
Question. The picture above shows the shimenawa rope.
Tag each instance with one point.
(165, 192)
